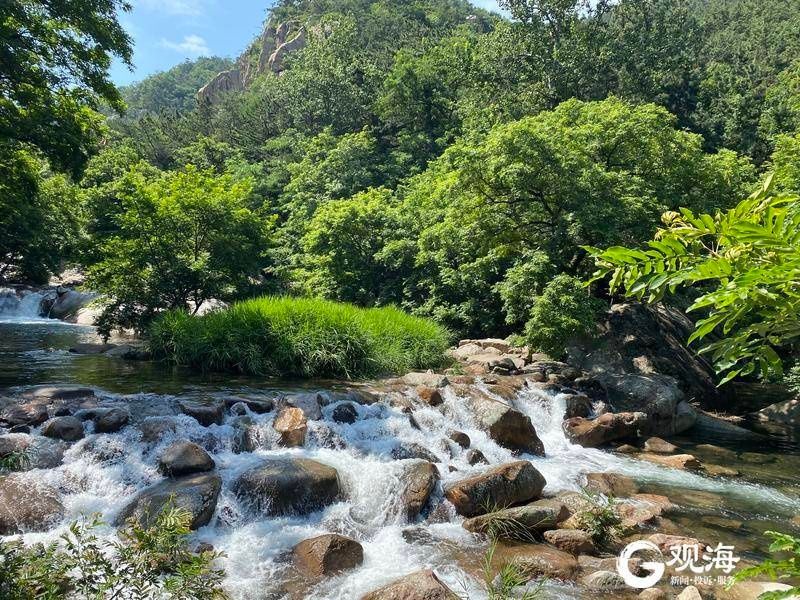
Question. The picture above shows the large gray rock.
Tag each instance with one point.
(184, 458)
(419, 479)
(421, 585)
(284, 486)
(504, 424)
(519, 522)
(68, 429)
(206, 413)
(196, 493)
(110, 420)
(68, 302)
(499, 487)
(27, 506)
(32, 451)
(28, 414)
(60, 392)
(308, 402)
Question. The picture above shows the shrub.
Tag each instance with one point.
(600, 520)
(300, 337)
(563, 311)
(145, 563)
(784, 565)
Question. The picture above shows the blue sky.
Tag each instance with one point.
(167, 32)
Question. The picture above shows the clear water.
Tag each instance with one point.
(34, 351)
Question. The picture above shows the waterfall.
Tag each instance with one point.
(20, 307)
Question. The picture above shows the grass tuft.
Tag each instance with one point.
(300, 337)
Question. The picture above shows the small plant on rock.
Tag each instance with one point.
(13, 461)
(146, 563)
(510, 581)
(600, 520)
(786, 567)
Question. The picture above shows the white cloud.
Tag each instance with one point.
(191, 45)
(188, 8)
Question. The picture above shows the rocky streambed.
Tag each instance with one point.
(389, 489)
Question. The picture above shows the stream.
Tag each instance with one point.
(102, 473)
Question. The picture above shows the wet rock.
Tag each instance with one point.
(292, 426)
(154, 429)
(309, 403)
(430, 395)
(659, 446)
(520, 522)
(256, 405)
(60, 392)
(504, 424)
(407, 451)
(502, 486)
(690, 593)
(720, 471)
(460, 438)
(427, 379)
(590, 564)
(476, 457)
(30, 414)
(31, 451)
(710, 427)
(627, 449)
(718, 451)
(666, 542)
(421, 585)
(604, 581)
(68, 429)
(110, 420)
(128, 352)
(197, 494)
(91, 348)
(535, 560)
(184, 458)
(592, 433)
(653, 594)
(611, 484)
(578, 405)
(205, 413)
(755, 458)
(573, 541)
(786, 412)
(685, 462)
(363, 397)
(239, 409)
(284, 486)
(27, 505)
(327, 555)
(641, 509)
(345, 413)
(419, 481)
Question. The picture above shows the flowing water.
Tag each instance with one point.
(102, 473)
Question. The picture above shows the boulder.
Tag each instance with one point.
(60, 392)
(611, 484)
(689, 593)
(154, 429)
(641, 509)
(197, 493)
(286, 486)
(592, 433)
(418, 482)
(520, 522)
(407, 451)
(27, 506)
(308, 402)
(427, 379)
(573, 541)
(475, 457)
(685, 462)
(535, 560)
(604, 581)
(460, 438)
(32, 451)
(345, 413)
(786, 412)
(666, 542)
(292, 426)
(430, 395)
(653, 594)
(659, 446)
(206, 413)
(67, 303)
(578, 405)
(501, 487)
(110, 420)
(68, 429)
(184, 458)
(421, 585)
(504, 424)
(327, 555)
(257, 405)
(27, 414)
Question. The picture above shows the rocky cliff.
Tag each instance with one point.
(267, 55)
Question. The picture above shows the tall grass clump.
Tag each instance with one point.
(300, 337)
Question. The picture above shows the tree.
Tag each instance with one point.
(745, 262)
(54, 62)
(183, 238)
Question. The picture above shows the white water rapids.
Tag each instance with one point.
(102, 473)
(22, 308)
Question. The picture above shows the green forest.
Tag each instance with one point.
(424, 154)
